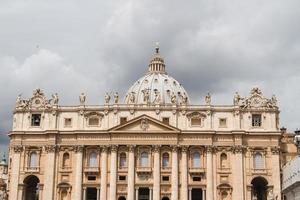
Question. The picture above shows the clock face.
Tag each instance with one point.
(256, 102)
(37, 102)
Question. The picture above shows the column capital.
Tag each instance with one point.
(238, 149)
(50, 148)
(174, 148)
(79, 149)
(18, 148)
(104, 149)
(184, 148)
(210, 149)
(275, 150)
(156, 148)
(131, 148)
(114, 148)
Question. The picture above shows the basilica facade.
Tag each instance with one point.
(154, 145)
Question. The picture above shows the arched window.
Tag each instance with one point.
(258, 161)
(93, 160)
(144, 159)
(33, 160)
(196, 160)
(223, 158)
(122, 160)
(224, 195)
(66, 160)
(165, 161)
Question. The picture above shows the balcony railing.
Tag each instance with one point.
(259, 171)
(144, 170)
(224, 170)
(91, 169)
(166, 169)
(196, 170)
(32, 169)
(66, 169)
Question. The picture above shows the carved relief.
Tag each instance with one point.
(50, 148)
(144, 124)
(18, 148)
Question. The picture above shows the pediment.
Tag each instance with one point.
(143, 124)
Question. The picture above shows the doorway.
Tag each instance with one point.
(91, 194)
(31, 187)
(144, 194)
(259, 188)
(196, 194)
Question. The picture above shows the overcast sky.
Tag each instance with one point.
(71, 46)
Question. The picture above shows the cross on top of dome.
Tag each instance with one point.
(157, 64)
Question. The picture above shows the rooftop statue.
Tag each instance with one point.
(107, 98)
(82, 98)
(208, 99)
(116, 98)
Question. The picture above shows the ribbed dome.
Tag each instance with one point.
(156, 87)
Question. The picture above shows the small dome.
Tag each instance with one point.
(156, 87)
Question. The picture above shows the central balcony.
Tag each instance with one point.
(32, 169)
(197, 171)
(144, 170)
(91, 170)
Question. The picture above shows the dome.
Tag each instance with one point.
(156, 87)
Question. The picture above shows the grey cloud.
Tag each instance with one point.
(217, 46)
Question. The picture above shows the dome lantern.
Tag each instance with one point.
(157, 64)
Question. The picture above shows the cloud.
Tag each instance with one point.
(216, 46)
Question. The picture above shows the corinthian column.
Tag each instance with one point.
(174, 193)
(209, 169)
(276, 171)
(78, 173)
(113, 173)
(15, 173)
(130, 193)
(49, 172)
(184, 174)
(156, 174)
(103, 188)
(238, 178)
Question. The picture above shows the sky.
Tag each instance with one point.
(216, 46)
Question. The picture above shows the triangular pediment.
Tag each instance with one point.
(144, 123)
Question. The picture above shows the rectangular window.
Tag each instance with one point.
(197, 178)
(165, 120)
(196, 121)
(256, 120)
(123, 120)
(122, 178)
(68, 122)
(35, 119)
(165, 178)
(222, 122)
(91, 178)
(94, 121)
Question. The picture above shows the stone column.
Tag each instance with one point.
(131, 174)
(103, 188)
(78, 173)
(156, 173)
(184, 174)
(84, 193)
(276, 172)
(49, 172)
(190, 194)
(21, 189)
(113, 173)
(238, 178)
(203, 194)
(209, 177)
(174, 192)
(136, 194)
(98, 193)
(150, 194)
(15, 173)
(41, 187)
